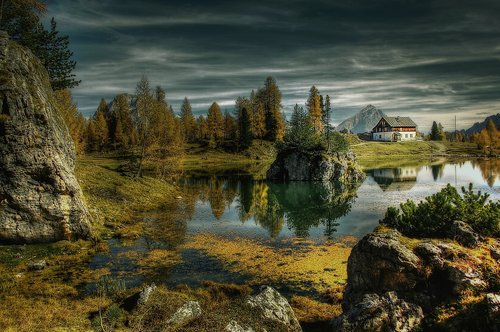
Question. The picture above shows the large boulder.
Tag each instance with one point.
(463, 234)
(40, 198)
(377, 313)
(394, 282)
(301, 166)
(380, 262)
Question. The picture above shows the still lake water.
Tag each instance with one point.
(236, 206)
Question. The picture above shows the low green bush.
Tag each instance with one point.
(434, 216)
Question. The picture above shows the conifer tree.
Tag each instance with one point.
(230, 127)
(188, 121)
(258, 116)
(314, 108)
(434, 136)
(100, 130)
(123, 116)
(146, 115)
(72, 117)
(245, 130)
(271, 98)
(215, 123)
(202, 129)
(326, 119)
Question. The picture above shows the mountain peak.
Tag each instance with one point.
(363, 121)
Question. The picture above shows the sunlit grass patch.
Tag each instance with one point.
(306, 267)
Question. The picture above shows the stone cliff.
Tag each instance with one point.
(301, 166)
(40, 198)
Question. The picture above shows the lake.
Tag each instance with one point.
(231, 228)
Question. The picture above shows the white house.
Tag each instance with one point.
(395, 129)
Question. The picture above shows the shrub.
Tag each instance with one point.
(433, 216)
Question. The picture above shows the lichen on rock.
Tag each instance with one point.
(40, 198)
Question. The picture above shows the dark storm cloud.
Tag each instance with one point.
(427, 59)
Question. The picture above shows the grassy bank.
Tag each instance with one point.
(115, 200)
(389, 154)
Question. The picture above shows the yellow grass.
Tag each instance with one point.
(306, 267)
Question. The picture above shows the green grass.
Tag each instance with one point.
(389, 154)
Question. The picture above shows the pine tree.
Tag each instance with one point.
(434, 136)
(123, 115)
(258, 116)
(271, 98)
(188, 121)
(146, 116)
(314, 108)
(58, 61)
(202, 129)
(230, 127)
(245, 130)
(215, 123)
(101, 131)
(326, 119)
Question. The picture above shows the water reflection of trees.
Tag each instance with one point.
(437, 171)
(299, 205)
(490, 170)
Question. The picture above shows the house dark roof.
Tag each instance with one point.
(399, 121)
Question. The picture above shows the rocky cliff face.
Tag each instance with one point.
(40, 198)
(300, 166)
(402, 284)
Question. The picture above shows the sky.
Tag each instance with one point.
(431, 60)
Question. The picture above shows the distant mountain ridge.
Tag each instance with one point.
(363, 121)
(478, 126)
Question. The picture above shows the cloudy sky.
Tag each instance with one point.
(428, 59)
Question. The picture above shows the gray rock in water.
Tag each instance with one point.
(40, 198)
(274, 306)
(233, 326)
(463, 234)
(188, 312)
(299, 166)
(380, 313)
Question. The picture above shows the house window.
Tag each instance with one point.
(406, 135)
(411, 135)
(380, 136)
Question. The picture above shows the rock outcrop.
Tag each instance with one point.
(185, 314)
(393, 281)
(377, 313)
(273, 306)
(40, 198)
(300, 166)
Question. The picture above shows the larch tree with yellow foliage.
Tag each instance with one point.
(315, 110)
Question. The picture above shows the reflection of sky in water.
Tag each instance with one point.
(369, 206)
